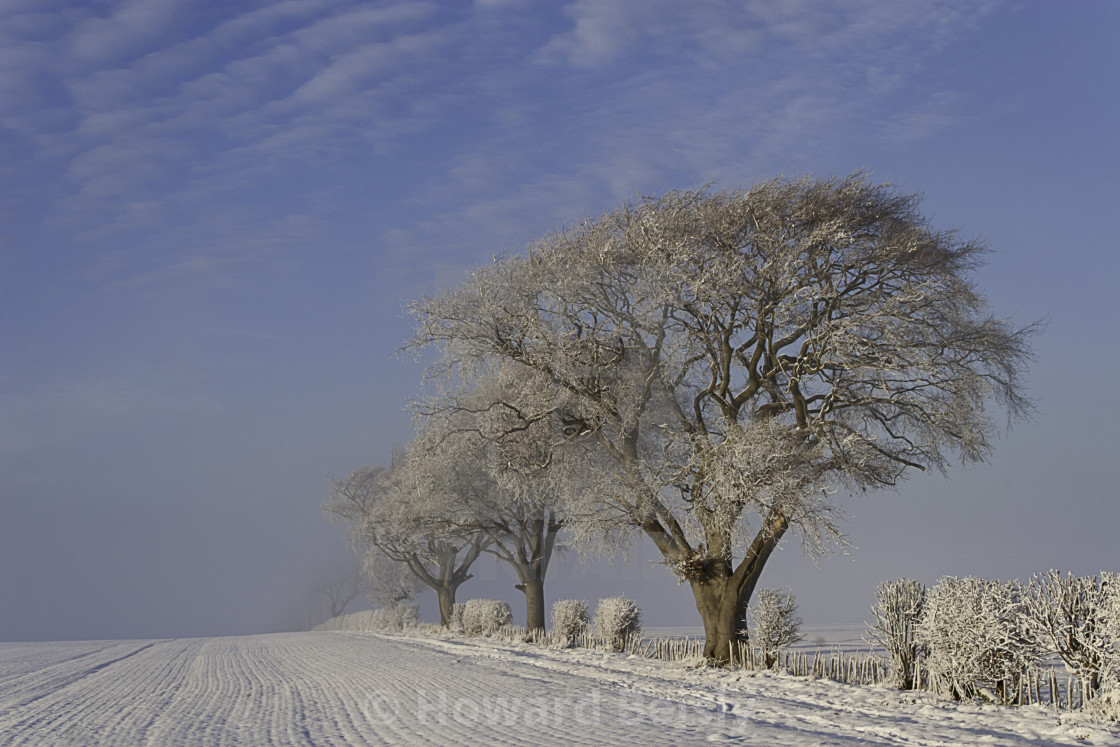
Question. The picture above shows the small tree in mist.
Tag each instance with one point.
(727, 361)
(386, 512)
(337, 586)
(774, 624)
(334, 586)
(896, 612)
(386, 581)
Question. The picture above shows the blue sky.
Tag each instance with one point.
(213, 213)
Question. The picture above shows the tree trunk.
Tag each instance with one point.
(722, 596)
(534, 603)
(446, 596)
(722, 605)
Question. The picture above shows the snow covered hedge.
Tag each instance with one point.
(897, 610)
(1108, 645)
(569, 620)
(978, 638)
(616, 619)
(485, 617)
(394, 617)
(1068, 616)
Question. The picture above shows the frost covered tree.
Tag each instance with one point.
(337, 585)
(896, 612)
(386, 510)
(386, 581)
(774, 623)
(733, 359)
(514, 496)
(977, 636)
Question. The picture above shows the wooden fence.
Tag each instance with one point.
(1039, 685)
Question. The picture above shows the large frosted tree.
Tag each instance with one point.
(737, 358)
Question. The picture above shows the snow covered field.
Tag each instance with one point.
(359, 688)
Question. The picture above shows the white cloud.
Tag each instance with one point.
(130, 25)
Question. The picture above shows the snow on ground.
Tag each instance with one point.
(371, 688)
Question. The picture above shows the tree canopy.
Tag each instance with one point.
(735, 358)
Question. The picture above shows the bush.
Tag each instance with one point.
(455, 623)
(397, 617)
(1067, 616)
(485, 617)
(775, 624)
(569, 619)
(897, 610)
(616, 620)
(1108, 704)
(978, 639)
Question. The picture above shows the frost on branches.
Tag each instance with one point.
(978, 638)
(513, 488)
(1068, 616)
(388, 511)
(1108, 646)
(725, 363)
(897, 610)
(774, 624)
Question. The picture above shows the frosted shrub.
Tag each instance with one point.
(1067, 616)
(569, 620)
(1108, 704)
(774, 623)
(897, 609)
(396, 617)
(393, 617)
(455, 621)
(485, 617)
(977, 635)
(616, 619)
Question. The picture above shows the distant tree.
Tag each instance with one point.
(896, 612)
(735, 358)
(513, 498)
(387, 582)
(387, 513)
(335, 585)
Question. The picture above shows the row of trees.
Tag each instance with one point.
(706, 369)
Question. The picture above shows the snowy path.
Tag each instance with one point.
(365, 688)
